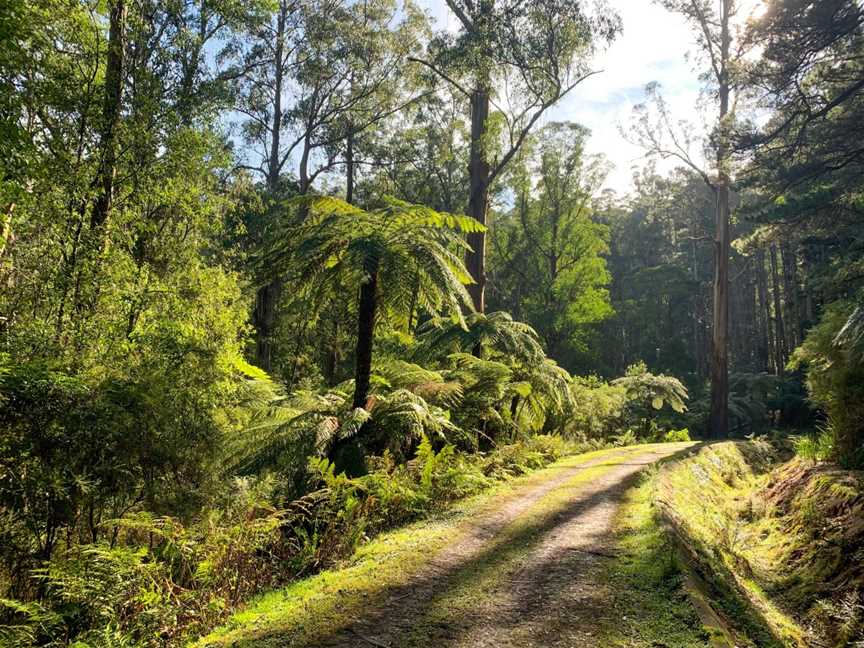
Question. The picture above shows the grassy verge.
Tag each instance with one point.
(700, 501)
(332, 599)
(802, 547)
(650, 601)
(779, 545)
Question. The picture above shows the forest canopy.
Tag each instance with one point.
(253, 252)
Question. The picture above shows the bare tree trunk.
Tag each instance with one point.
(365, 335)
(6, 227)
(719, 418)
(110, 115)
(478, 202)
(780, 337)
(697, 310)
(719, 347)
(349, 167)
(766, 333)
(790, 283)
(755, 329)
(809, 311)
(264, 318)
(267, 296)
(331, 354)
(331, 357)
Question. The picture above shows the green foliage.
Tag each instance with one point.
(410, 247)
(851, 336)
(548, 252)
(835, 380)
(659, 390)
(495, 333)
(660, 263)
(598, 410)
(647, 393)
(513, 386)
(757, 402)
(159, 579)
(673, 436)
(163, 581)
(151, 479)
(817, 445)
(399, 258)
(79, 450)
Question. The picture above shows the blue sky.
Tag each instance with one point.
(653, 47)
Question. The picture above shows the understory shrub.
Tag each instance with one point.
(676, 435)
(629, 409)
(832, 355)
(158, 581)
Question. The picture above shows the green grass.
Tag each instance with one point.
(315, 607)
(651, 603)
(709, 500)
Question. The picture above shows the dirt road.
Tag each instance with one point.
(529, 573)
(523, 566)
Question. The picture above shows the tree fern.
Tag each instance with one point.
(656, 389)
(400, 419)
(429, 384)
(291, 428)
(396, 254)
(497, 332)
(548, 395)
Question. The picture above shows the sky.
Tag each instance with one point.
(652, 47)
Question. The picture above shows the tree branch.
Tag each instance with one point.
(441, 74)
(461, 15)
(533, 120)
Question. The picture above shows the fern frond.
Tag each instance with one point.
(497, 331)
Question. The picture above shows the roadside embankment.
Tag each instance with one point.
(776, 547)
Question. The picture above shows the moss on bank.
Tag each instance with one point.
(780, 544)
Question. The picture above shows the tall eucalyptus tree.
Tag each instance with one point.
(520, 58)
(723, 44)
(322, 73)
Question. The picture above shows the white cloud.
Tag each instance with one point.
(652, 47)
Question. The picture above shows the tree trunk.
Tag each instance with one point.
(790, 284)
(766, 334)
(751, 308)
(365, 335)
(478, 202)
(110, 115)
(331, 357)
(780, 335)
(697, 306)
(719, 347)
(267, 296)
(349, 167)
(719, 418)
(330, 323)
(6, 227)
(809, 312)
(264, 318)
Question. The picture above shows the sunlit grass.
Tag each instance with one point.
(710, 499)
(652, 605)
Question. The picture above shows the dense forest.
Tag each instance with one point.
(279, 275)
